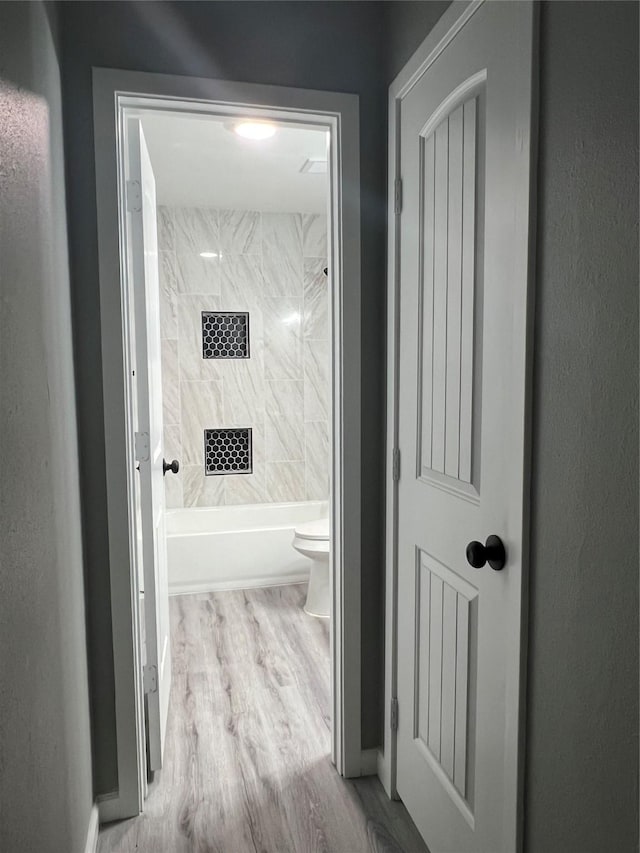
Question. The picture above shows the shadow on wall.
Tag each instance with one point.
(44, 711)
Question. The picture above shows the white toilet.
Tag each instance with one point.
(312, 540)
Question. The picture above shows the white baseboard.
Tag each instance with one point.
(91, 845)
(369, 762)
(241, 583)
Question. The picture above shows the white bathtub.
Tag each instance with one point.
(236, 547)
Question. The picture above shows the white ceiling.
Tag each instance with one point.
(201, 162)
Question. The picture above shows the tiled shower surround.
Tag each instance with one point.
(269, 265)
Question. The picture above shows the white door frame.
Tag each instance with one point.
(114, 92)
(452, 21)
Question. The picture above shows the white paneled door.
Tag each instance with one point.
(464, 148)
(141, 207)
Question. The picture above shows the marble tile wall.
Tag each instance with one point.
(271, 265)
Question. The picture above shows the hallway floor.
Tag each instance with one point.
(247, 764)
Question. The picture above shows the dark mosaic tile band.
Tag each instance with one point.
(225, 334)
(228, 451)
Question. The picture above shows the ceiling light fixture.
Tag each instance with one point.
(255, 129)
(210, 255)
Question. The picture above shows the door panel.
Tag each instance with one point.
(463, 252)
(448, 225)
(144, 254)
(445, 653)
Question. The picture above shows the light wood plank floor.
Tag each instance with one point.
(247, 764)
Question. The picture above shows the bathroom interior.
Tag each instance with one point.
(242, 212)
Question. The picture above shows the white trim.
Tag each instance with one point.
(456, 16)
(521, 722)
(113, 91)
(91, 844)
(127, 800)
(244, 583)
(461, 93)
(447, 27)
(527, 231)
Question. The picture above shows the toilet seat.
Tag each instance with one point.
(317, 531)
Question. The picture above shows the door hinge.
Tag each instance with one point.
(397, 196)
(396, 463)
(134, 196)
(394, 714)
(141, 446)
(150, 678)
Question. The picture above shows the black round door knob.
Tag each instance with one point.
(174, 466)
(491, 552)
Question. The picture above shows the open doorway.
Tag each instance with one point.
(244, 310)
(227, 240)
(258, 391)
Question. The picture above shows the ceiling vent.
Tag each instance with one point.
(314, 166)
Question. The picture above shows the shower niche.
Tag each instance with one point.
(225, 334)
(228, 451)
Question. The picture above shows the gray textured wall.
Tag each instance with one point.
(408, 25)
(324, 45)
(45, 755)
(582, 758)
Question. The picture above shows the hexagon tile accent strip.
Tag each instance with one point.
(225, 334)
(228, 451)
